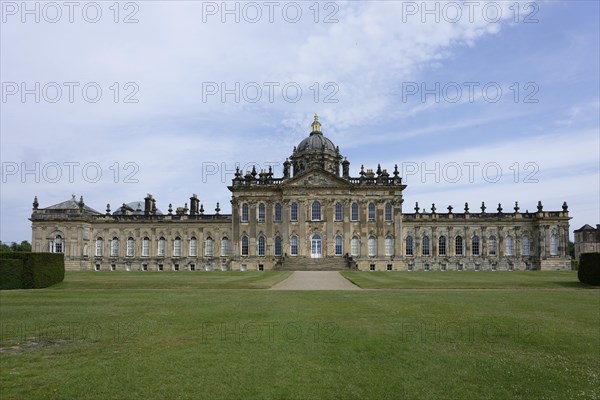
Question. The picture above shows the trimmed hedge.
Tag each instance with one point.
(11, 274)
(39, 270)
(589, 269)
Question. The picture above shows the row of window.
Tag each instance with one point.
(475, 246)
(57, 246)
(161, 248)
(316, 212)
(339, 245)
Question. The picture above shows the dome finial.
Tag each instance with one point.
(316, 125)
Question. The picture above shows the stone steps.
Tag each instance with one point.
(313, 264)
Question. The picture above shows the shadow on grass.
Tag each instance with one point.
(575, 285)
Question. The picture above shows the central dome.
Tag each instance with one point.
(316, 151)
(316, 140)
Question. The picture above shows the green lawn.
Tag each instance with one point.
(170, 280)
(465, 279)
(69, 343)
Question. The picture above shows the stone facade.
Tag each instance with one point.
(316, 215)
(587, 240)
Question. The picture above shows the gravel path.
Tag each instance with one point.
(315, 280)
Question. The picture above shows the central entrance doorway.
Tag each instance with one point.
(316, 246)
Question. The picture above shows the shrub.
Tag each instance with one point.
(589, 268)
(40, 270)
(11, 273)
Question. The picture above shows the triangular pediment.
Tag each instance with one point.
(316, 177)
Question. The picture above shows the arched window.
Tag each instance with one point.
(146, 247)
(372, 246)
(442, 245)
(355, 246)
(130, 244)
(277, 212)
(554, 244)
(114, 247)
(339, 211)
(294, 211)
(338, 246)
(261, 246)
(409, 246)
(99, 245)
(161, 247)
(193, 247)
(278, 249)
(354, 212)
(245, 245)
(492, 251)
(294, 245)
(425, 249)
(458, 246)
(209, 247)
(316, 211)
(261, 212)
(509, 246)
(58, 244)
(475, 245)
(389, 246)
(526, 246)
(388, 211)
(371, 211)
(245, 212)
(224, 247)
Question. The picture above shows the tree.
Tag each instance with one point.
(23, 246)
(572, 250)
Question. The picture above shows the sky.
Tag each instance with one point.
(486, 101)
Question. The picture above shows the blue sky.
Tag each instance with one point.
(372, 58)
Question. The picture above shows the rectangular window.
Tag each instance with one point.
(389, 267)
(177, 248)
(354, 247)
(208, 248)
(161, 247)
(388, 212)
(372, 267)
(339, 214)
(130, 247)
(114, 247)
(224, 247)
(193, 247)
(146, 247)
(294, 212)
(277, 212)
(354, 213)
(371, 212)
